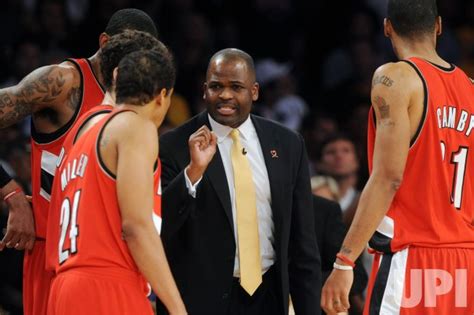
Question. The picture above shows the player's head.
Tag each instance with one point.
(230, 87)
(120, 45)
(128, 19)
(412, 20)
(144, 78)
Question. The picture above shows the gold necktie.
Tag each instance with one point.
(247, 225)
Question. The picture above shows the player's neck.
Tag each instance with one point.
(147, 111)
(422, 49)
(95, 63)
(109, 99)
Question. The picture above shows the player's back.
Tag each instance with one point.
(88, 213)
(91, 228)
(52, 235)
(434, 206)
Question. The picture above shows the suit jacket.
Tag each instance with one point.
(198, 232)
(330, 231)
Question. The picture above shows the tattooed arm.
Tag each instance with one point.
(54, 87)
(397, 101)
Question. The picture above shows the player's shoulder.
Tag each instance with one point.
(61, 74)
(396, 75)
(399, 69)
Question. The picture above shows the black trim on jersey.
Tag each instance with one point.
(451, 66)
(425, 103)
(46, 181)
(97, 148)
(43, 138)
(104, 111)
(381, 243)
(380, 284)
(95, 77)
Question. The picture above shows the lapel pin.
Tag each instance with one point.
(244, 152)
(274, 154)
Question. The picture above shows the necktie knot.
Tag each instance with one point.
(234, 134)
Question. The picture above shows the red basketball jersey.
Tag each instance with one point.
(87, 220)
(45, 148)
(55, 203)
(434, 206)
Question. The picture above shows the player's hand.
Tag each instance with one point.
(335, 294)
(20, 232)
(202, 147)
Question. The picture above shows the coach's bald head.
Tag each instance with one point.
(233, 54)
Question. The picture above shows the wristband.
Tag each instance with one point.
(4, 177)
(12, 193)
(342, 267)
(345, 260)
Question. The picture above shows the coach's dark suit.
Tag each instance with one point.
(198, 233)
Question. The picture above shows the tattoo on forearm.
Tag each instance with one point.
(42, 87)
(345, 251)
(382, 79)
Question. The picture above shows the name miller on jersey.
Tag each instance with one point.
(74, 169)
(448, 117)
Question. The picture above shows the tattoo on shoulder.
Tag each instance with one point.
(41, 87)
(383, 107)
(74, 97)
(104, 141)
(382, 79)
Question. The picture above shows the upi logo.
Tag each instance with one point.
(431, 283)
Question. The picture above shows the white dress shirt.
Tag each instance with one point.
(249, 141)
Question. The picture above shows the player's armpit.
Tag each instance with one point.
(46, 87)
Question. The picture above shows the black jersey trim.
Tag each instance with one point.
(45, 138)
(451, 68)
(425, 103)
(97, 148)
(105, 111)
(95, 76)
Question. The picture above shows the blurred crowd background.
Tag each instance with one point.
(314, 61)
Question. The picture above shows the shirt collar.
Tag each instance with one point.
(245, 129)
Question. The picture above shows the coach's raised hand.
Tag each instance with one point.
(21, 226)
(202, 147)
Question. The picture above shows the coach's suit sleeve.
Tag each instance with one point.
(304, 261)
(177, 204)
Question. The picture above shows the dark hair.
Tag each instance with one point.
(130, 19)
(142, 75)
(120, 45)
(339, 136)
(412, 18)
(232, 54)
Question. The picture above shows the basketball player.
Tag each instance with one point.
(108, 239)
(55, 96)
(117, 47)
(418, 205)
